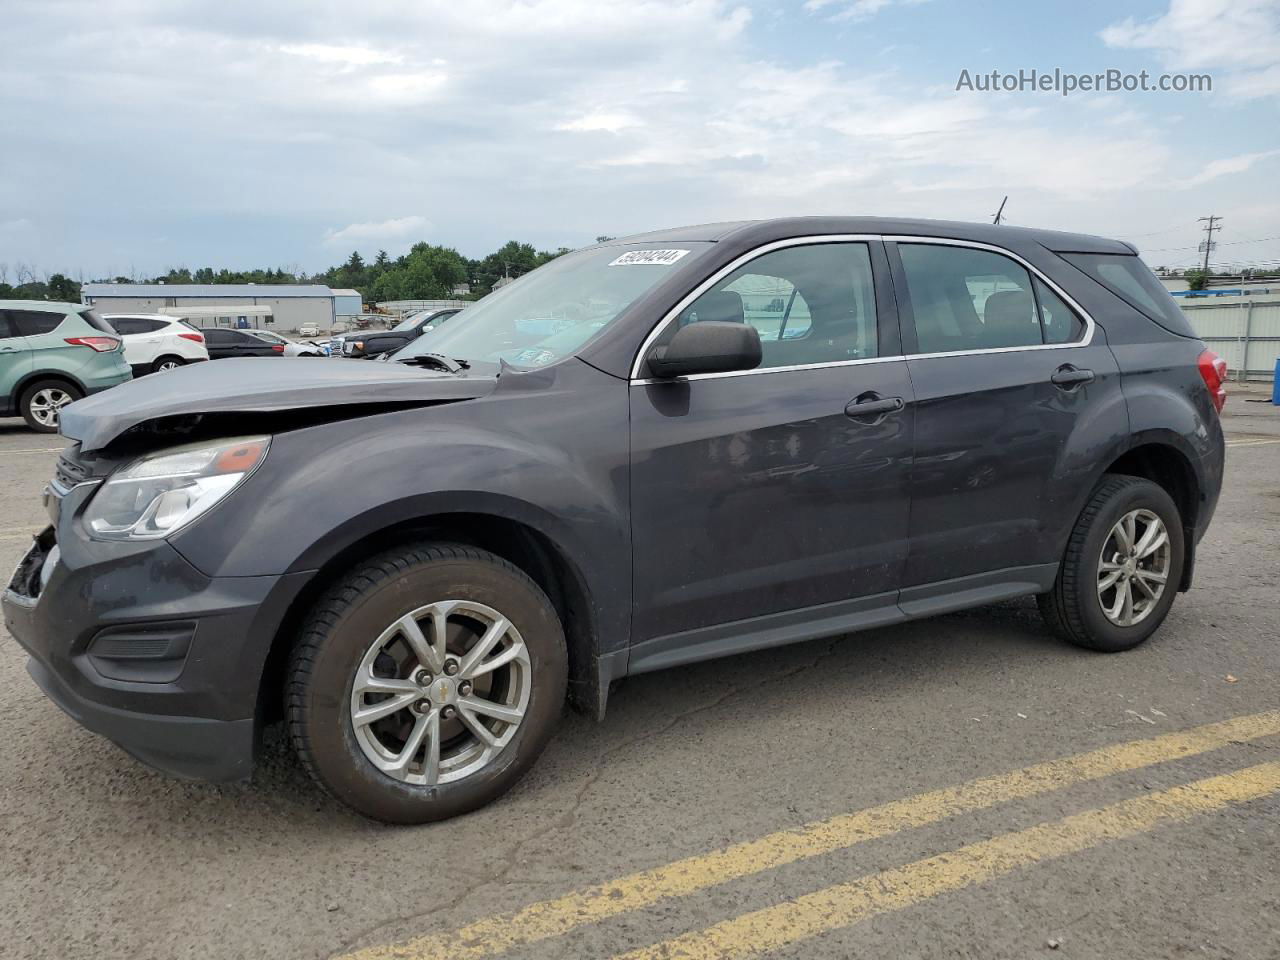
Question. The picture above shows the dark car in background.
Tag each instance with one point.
(647, 453)
(224, 342)
(375, 343)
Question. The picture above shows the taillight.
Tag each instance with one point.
(193, 337)
(277, 348)
(1213, 370)
(100, 344)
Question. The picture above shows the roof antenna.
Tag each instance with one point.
(1000, 212)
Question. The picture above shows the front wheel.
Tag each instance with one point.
(1122, 567)
(426, 682)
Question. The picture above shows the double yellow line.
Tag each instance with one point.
(847, 903)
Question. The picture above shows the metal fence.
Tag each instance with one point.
(1243, 330)
(402, 308)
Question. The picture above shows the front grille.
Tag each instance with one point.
(69, 471)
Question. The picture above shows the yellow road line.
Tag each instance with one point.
(552, 918)
(845, 904)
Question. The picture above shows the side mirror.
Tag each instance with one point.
(708, 346)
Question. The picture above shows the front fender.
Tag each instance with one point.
(552, 456)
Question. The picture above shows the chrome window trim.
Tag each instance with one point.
(719, 275)
(1085, 339)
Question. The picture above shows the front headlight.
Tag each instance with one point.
(162, 492)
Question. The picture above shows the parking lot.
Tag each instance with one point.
(964, 786)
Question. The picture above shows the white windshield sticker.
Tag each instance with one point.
(661, 258)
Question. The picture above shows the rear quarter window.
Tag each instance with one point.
(1133, 282)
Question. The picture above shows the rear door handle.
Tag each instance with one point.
(872, 406)
(1069, 377)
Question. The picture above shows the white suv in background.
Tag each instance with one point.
(155, 342)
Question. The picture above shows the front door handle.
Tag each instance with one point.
(872, 405)
(1069, 377)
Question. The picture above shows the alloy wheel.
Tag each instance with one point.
(440, 692)
(46, 403)
(1133, 570)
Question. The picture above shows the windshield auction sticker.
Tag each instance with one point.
(661, 258)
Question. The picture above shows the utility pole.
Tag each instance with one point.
(1000, 212)
(1211, 223)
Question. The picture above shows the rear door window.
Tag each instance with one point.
(1133, 282)
(7, 329)
(965, 299)
(33, 323)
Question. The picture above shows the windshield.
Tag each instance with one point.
(411, 321)
(550, 313)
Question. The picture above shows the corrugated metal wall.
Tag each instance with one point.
(1244, 331)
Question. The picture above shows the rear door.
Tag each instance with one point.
(220, 342)
(135, 351)
(15, 359)
(1004, 370)
(44, 334)
(760, 493)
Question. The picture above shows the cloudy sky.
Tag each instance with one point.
(146, 134)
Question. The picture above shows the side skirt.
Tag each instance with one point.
(845, 616)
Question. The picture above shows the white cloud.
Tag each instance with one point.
(381, 232)
(1227, 166)
(15, 226)
(855, 9)
(347, 56)
(606, 122)
(1240, 39)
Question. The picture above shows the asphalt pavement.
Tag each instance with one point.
(961, 787)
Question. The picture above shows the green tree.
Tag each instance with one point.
(1196, 279)
(63, 288)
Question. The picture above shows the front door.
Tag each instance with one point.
(785, 487)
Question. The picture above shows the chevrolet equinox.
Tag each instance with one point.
(653, 451)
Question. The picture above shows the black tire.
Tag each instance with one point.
(160, 363)
(1072, 609)
(36, 419)
(337, 635)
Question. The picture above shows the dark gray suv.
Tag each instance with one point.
(662, 449)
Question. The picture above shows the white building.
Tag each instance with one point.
(281, 307)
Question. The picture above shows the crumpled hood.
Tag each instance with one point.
(261, 385)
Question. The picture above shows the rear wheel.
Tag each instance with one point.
(41, 402)
(1121, 570)
(426, 683)
(167, 363)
